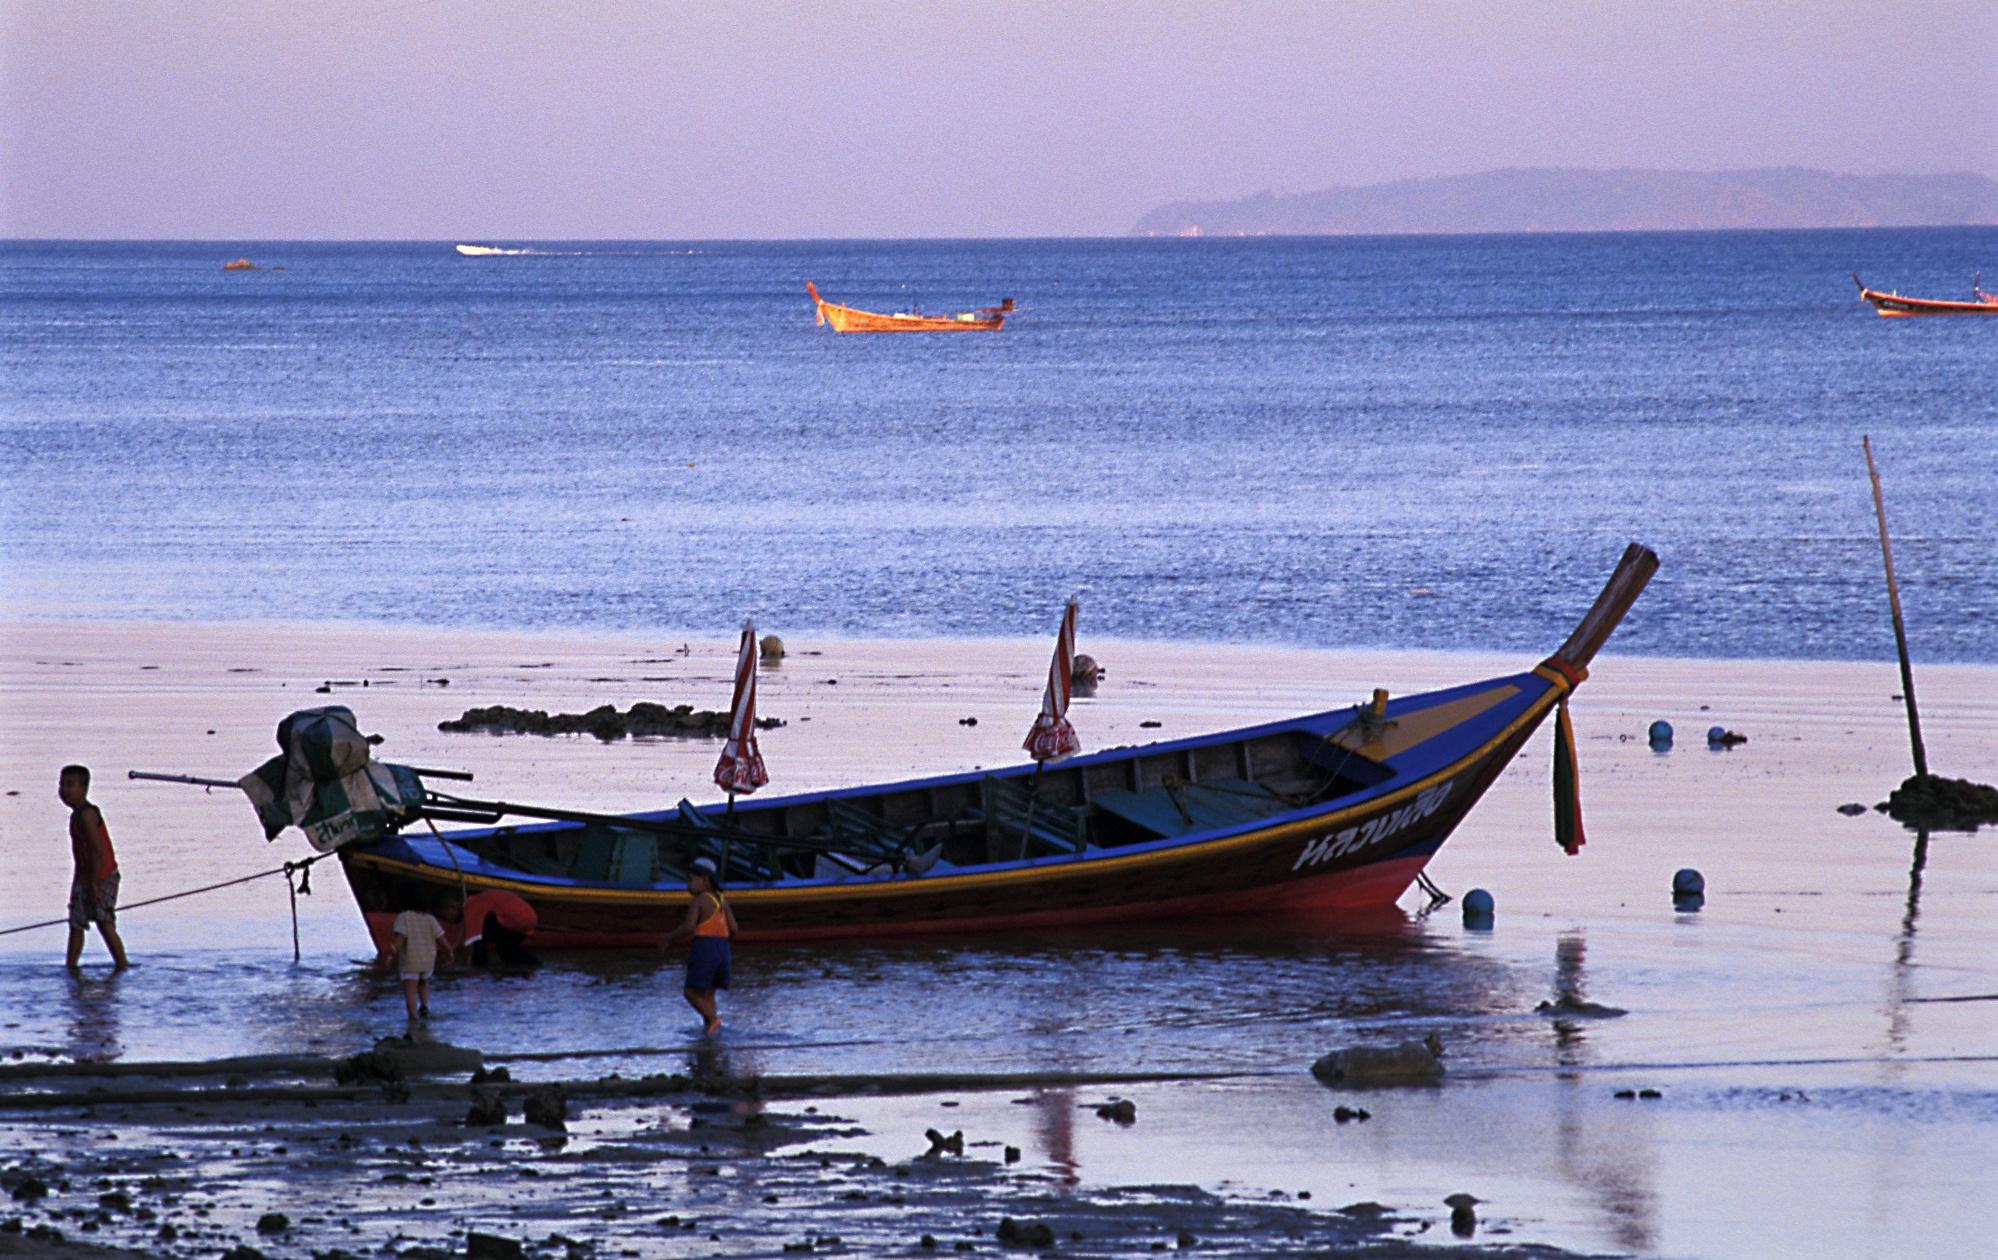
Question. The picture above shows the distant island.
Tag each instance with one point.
(1570, 200)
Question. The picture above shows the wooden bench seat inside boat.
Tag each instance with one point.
(615, 856)
(1057, 828)
(1174, 810)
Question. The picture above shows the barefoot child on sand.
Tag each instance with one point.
(418, 935)
(93, 889)
(710, 922)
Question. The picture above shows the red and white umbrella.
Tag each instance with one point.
(1052, 737)
(740, 770)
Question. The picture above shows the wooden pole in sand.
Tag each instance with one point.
(1900, 630)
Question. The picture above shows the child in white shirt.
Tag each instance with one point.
(418, 935)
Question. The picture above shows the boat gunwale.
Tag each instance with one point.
(1309, 820)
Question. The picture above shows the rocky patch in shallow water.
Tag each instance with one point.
(1929, 802)
(605, 722)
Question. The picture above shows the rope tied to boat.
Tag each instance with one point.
(301, 864)
(298, 878)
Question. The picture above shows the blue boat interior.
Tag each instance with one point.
(1126, 799)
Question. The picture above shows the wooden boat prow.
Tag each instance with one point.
(1896, 306)
(851, 319)
(1331, 813)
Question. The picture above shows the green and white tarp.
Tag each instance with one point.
(327, 783)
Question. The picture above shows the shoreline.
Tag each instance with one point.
(13, 622)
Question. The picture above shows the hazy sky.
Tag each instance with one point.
(490, 119)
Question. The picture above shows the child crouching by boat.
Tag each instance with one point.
(710, 923)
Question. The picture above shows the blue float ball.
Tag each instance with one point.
(1478, 904)
(1688, 882)
(1715, 734)
(1661, 732)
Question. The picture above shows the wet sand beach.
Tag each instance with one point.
(1819, 1033)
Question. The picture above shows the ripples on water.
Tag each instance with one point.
(1221, 440)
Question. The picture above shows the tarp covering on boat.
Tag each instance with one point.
(327, 783)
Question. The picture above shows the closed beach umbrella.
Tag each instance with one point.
(740, 769)
(1051, 736)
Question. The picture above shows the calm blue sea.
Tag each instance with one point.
(1406, 442)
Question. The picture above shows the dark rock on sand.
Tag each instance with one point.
(492, 1247)
(1463, 1219)
(28, 1189)
(1410, 1063)
(366, 1068)
(1024, 1234)
(488, 1107)
(1343, 1114)
(605, 721)
(273, 1223)
(547, 1107)
(1569, 1004)
(940, 1145)
(1186, 1240)
(244, 1253)
(1933, 803)
(1463, 1216)
(1084, 673)
(1012, 1154)
(1120, 1110)
(410, 1057)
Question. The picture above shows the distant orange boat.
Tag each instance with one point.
(847, 319)
(1893, 304)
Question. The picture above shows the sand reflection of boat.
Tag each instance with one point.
(849, 319)
(1333, 812)
(1893, 304)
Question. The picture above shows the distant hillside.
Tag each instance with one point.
(1568, 200)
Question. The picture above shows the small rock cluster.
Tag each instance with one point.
(1410, 1063)
(1929, 802)
(605, 722)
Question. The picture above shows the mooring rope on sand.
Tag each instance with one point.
(287, 869)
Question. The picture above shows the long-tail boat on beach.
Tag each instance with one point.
(1893, 304)
(850, 319)
(1326, 812)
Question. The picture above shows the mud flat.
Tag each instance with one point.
(659, 1166)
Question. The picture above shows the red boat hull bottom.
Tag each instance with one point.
(1362, 892)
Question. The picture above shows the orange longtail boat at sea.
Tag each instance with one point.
(1893, 304)
(847, 319)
